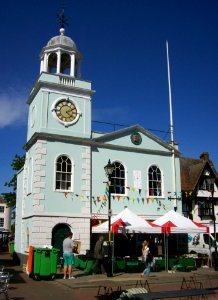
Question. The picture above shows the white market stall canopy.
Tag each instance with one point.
(212, 228)
(173, 222)
(129, 221)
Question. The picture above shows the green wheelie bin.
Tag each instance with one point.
(45, 262)
(11, 248)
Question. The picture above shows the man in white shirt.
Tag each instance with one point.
(68, 256)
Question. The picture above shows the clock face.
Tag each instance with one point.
(66, 111)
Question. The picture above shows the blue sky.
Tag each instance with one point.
(124, 47)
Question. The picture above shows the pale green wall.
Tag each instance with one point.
(56, 201)
(134, 161)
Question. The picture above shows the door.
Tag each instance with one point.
(59, 233)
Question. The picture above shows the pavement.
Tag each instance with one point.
(24, 287)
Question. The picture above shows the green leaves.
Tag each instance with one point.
(17, 164)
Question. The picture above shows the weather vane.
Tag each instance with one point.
(62, 18)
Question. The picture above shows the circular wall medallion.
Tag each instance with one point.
(136, 138)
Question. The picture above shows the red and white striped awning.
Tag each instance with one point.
(129, 221)
(173, 222)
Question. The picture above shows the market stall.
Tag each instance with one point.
(173, 222)
(127, 221)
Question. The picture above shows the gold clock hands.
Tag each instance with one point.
(70, 112)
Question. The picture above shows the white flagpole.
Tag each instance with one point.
(170, 96)
(171, 131)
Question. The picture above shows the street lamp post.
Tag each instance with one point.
(109, 168)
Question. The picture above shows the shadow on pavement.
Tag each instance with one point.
(9, 266)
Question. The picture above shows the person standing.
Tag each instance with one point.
(99, 255)
(154, 251)
(145, 257)
(68, 256)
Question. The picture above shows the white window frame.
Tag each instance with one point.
(162, 181)
(72, 173)
(125, 179)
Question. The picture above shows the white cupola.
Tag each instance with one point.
(61, 56)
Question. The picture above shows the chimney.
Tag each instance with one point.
(204, 156)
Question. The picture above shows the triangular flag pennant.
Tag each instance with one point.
(65, 194)
(140, 191)
(143, 200)
(104, 198)
(118, 197)
(107, 188)
(98, 199)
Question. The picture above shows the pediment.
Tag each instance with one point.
(135, 138)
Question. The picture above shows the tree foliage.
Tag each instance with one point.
(17, 164)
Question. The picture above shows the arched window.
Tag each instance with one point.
(65, 64)
(52, 63)
(154, 181)
(63, 173)
(118, 179)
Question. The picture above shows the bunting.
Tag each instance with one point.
(137, 196)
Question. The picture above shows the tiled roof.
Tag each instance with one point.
(191, 170)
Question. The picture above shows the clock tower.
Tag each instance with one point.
(58, 151)
(60, 102)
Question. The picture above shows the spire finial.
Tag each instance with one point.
(62, 18)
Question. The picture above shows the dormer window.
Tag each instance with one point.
(207, 183)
